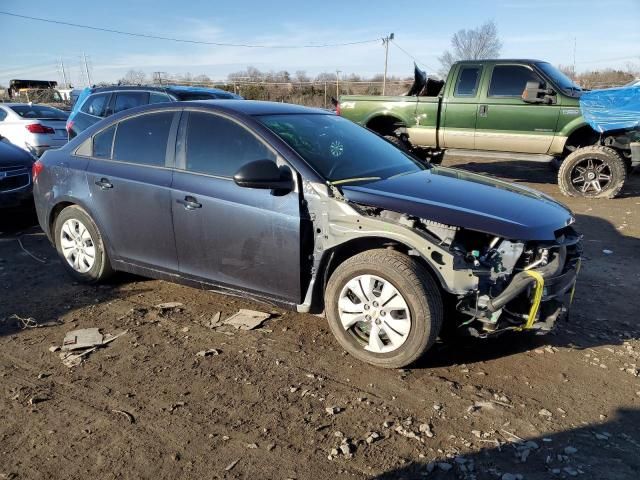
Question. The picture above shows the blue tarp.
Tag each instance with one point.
(612, 109)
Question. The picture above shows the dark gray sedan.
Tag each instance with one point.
(310, 211)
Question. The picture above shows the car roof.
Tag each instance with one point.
(26, 104)
(254, 107)
(503, 60)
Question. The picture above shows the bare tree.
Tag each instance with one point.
(301, 76)
(202, 78)
(473, 44)
(134, 77)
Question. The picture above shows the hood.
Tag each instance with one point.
(10, 155)
(467, 200)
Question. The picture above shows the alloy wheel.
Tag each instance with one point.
(591, 176)
(375, 313)
(78, 247)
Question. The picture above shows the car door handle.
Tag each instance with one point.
(104, 184)
(189, 203)
(483, 110)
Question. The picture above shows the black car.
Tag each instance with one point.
(95, 103)
(308, 210)
(15, 176)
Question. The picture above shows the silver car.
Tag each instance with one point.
(36, 128)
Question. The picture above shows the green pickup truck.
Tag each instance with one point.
(513, 109)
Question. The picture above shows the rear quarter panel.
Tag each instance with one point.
(362, 108)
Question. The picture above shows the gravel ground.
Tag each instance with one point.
(284, 401)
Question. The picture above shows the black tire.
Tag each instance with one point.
(398, 142)
(412, 282)
(101, 267)
(572, 180)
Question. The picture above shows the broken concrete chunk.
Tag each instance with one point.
(214, 322)
(163, 307)
(247, 319)
(208, 353)
(83, 338)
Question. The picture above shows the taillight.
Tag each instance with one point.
(69, 125)
(338, 111)
(38, 128)
(36, 169)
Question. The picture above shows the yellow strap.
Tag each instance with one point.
(537, 298)
(573, 289)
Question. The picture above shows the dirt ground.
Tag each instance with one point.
(277, 400)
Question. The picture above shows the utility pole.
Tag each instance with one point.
(86, 68)
(338, 72)
(65, 81)
(385, 42)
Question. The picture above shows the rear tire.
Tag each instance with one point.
(592, 172)
(80, 246)
(398, 307)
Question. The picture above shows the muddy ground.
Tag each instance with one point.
(558, 406)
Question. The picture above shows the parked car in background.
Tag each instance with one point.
(34, 127)
(506, 109)
(94, 104)
(308, 210)
(15, 175)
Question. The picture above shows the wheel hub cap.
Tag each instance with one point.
(374, 312)
(591, 176)
(78, 247)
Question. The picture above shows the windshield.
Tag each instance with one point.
(338, 149)
(557, 77)
(39, 112)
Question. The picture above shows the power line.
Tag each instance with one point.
(184, 40)
(412, 57)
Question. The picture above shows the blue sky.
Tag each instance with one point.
(607, 34)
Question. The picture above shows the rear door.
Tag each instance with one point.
(92, 111)
(232, 236)
(129, 179)
(459, 109)
(505, 122)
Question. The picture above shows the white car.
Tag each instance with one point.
(36, 128)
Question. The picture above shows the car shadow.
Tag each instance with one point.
(607, 450)
(527, 171)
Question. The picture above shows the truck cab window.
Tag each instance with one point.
(467, 84)
(510, 80)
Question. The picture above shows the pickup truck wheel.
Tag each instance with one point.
(592, 172)
(80, 246)
(398, 142)
(383, 308)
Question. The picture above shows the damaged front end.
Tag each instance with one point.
(521, 285)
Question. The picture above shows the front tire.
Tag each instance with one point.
(80, 246)
(592, 172)
(398, 142)
(384, 308)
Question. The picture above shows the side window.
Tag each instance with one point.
(126, 100)
(468, 79)
(510, 80)
(157, 97)
(102, 143)
(218, 146)
(143, 139)
(96, 105)
(3, 115)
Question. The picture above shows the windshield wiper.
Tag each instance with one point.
(355, 179)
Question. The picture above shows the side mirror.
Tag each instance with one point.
(264, 174)
(534, 93)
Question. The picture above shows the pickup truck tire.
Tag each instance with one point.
(393, 293)
(398, 142)
(592, 172)
(80, 246)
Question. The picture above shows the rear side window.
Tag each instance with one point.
(510, 80)
(127, 100)
(102, 143)
(467, 84)
(3, 115)
(156, 97)
(96, 105)
(218, 146)
(143, 139)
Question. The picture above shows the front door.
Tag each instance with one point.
(130, 182)
(232, 236)
(505, 122)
